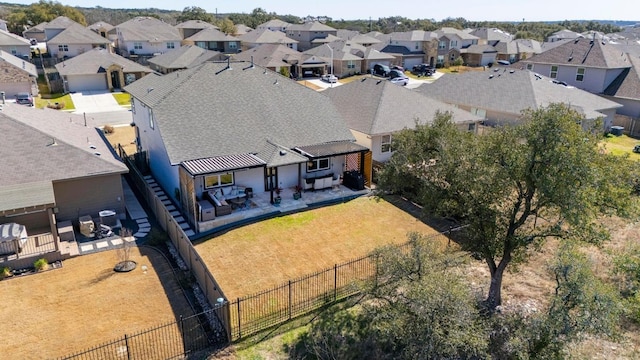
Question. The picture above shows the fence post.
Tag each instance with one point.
(239, 321)
(289, 299)
(184, 337)
(126, 345)
(335, 282)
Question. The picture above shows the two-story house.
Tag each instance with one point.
(274, 25)
(75, 40)
(144, 35)
(305, 33)
(213, 39)
(185, 57)
(191, 27)
(450, 43)
(15, 45)
(266, 36)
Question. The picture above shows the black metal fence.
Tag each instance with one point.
(170, 340)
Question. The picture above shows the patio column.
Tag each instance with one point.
(54, 227)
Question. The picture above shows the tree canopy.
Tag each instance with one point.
(42, 11)
(195, 13)
(515, 186)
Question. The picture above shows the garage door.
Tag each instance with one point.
(79, 83)
(411, 62)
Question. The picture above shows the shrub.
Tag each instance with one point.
(157, 237)
(108, 129)
(57, 105)
(41, 264)
(5, 272)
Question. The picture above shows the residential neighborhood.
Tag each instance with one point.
(218, 179)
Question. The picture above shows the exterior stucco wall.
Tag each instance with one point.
(88, 196)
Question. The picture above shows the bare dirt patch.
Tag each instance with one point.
(125, 136)
(85, 303)
(265, 254)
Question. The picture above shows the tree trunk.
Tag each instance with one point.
(494, 298)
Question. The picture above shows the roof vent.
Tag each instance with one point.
(511, 71)
(363, 79)
(576, 40)
(53, 142)
(92, 147)
(276, 82)
(97, 153)
(283, 152)
(491, 76)
(378, 82)
(149, 90)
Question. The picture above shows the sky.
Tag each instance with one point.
(477, 10)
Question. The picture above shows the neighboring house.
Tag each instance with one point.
(17, 75)
(56, 26)
(356, 37)
(242, 29)
(266, 36)
(325, 40)
(216, 40)
(501, 95)
(60, 170)
(347, 58)
(564, 35)
(192, 27)
(450, 43)
(583, 63)
(274, 57)
(262, 131)
(305, 33)
(99, 69)
(535, 45)
(35, 32)
(372, 56)
(479, 55)
(513, 51)
(274, 25)
(410, 47)
(15, 45)
(376, 109)
(103, 29)
(146, 36)
(625, 89)
(75, 40)
(490, 35)
(185, 57)
(3, 25)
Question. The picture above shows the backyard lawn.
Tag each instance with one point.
(85, 303)
(123, 99)
(125, 136)
(262, 255)
(620, 145)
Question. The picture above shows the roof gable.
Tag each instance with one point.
(185, 57)
(627, 84)
(211, 34)
(266, 36)
(145, 28)
(10, 39)
(254, 106)
(77, 34)
(95, 59)
(584, 53)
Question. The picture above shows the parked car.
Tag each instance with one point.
(423, 70)
(330, 78)
(395, 73)
(400, 80)
(24, 98)
(503, 62)
(636, 149)
(397, 67)
(381, 70)
(33, 42)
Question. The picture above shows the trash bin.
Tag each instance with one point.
(249, 192)
(617, 130)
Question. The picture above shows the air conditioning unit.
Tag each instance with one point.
(108, 217)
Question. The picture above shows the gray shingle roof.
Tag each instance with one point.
(479, 49)
(270, 55)
(61, 22)
(377, 107)
(95, 61)
(511, 93)
(356, 37)
(77, 34)
(239, 109)
(20, 66)
(627, 84)
(342, 50)
(196, 24)
(144, 28)
(373, 54)
(266, 36)
(414, 35)
(490, 34)
(276, 155)
(453, 31)
(311, 26)
(400, 49)
(10, 39)
(100, 25)
(584, 53)
(273, 23)
(26, 195)
(185, 57)
(210, 34)
(242, 29)
(58, 154)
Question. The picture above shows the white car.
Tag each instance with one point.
(400, 80)
(330, 78)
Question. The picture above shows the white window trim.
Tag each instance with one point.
(219, 181)
(553, 74)
(578, 74)
(151, 125)
(317, 162)
(529, 66)
(385, 144)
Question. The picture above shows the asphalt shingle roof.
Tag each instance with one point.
(211, 34)
(237, 110)
(376, 107)
(266, 36)
(61, 22)
(511, 92)
(100, 25)
(310, 26)
(185, 57)
(144, 28)
(21, 65)
(10, 39)
(627, 84)
(584, 53)
(270, 55)
(97, 60)
(453, 31)
(196, 24)
(274, 23)
(77, 34)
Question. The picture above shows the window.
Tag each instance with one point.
(580, 74)
(351, 64)
(63, 47)
(440, 60)
(218, 180)
(151, 119)
(233, 45)
(442, 44)
(385, 143)
(452, 57)
(133, 106)
(554, 72)
(137, 46)
(318, 164)
(201, 44)
(417, 45)
(529, 66)
(472, 127)
(170, 45)
(480, 112)
(454, 43)
(14, 50)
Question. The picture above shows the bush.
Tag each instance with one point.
(41, 264)
(5, 272)
(108, 129)
(57, 105)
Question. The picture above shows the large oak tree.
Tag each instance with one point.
(514, 186)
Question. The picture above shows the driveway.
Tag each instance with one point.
(322, 84)
(95, 102)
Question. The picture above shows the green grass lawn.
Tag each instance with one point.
(621, 145)
(52, 99)
(123, 99)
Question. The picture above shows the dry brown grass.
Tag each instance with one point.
(125, 136)
(310, 85)
(84, 304)
(266, 254)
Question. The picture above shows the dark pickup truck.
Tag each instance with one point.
(423, 70)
